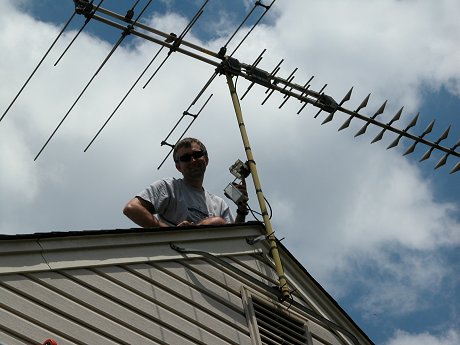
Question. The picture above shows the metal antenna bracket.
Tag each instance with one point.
(229, 65)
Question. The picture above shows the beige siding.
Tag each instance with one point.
(135, 304)
(136, 289)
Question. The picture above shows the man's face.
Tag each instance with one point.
(189, 166)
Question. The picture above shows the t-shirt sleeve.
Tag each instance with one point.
(158, 195)
(228, 216)
(226, 213)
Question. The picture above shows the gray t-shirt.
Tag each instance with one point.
(174, 201)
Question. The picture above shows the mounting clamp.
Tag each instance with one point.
(258, 75)
(83, 7)
(229, 65)
(327, 103)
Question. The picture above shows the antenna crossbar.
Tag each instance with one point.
(139, 25)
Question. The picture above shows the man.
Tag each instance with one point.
(181, 202)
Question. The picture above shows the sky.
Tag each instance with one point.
(378, 230)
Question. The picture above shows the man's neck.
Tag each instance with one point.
(195, 183)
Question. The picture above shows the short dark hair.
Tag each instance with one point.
(187, 142)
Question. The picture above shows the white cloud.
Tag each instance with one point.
(17, 182)
(402, 280)
(452, 337)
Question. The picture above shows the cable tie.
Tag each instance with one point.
(254, 240)
(167, 144)
(171, 38)
(259, 3)
(189, 114)
(129, 15)
(222, 52)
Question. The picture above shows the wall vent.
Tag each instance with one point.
(276, 327)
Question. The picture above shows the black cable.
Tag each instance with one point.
(270, 207)
(253, 212)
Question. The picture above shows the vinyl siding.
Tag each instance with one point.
(135, 289)
(135, 304)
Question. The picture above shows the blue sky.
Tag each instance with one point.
(379, 231)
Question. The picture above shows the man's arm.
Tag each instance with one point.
(241, 213)
(141, 213)
(242, 210)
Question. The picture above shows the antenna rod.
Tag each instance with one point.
(88, 16)
(178, 40)
(123, 99)
(185, 131)
(399, 131)
(124, 33)
(80, 95)
(184, 32)
(258, 3)
(241, 24)
(35, 70)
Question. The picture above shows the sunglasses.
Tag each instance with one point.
(187, 157)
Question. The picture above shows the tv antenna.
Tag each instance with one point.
(228, 66)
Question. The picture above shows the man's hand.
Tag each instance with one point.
(205, 221)
(242, 187)
(185, 223)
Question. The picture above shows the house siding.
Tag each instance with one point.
(136, 289)
(135, 304)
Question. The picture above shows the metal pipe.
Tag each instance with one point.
(285, 293)
(160, 42)
(152, 30)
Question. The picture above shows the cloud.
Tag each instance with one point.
(398, 281)
(451, 337)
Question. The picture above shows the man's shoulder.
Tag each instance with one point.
(168, 181)
(215, 198)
